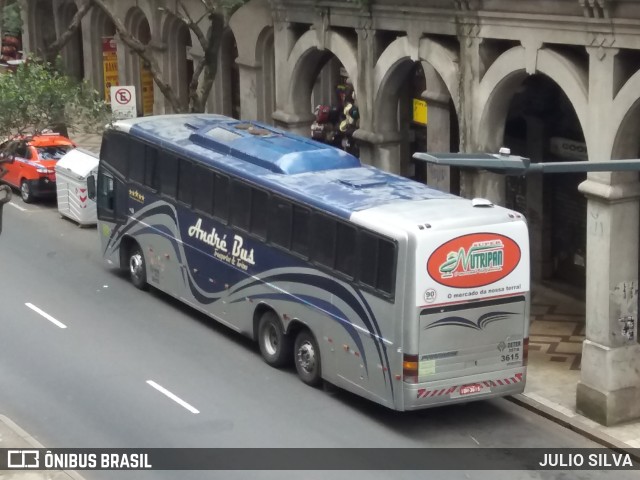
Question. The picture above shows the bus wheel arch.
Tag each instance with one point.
(275, 345)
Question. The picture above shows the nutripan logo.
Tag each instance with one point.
(474, 260)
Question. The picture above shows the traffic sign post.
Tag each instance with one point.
(123, 102)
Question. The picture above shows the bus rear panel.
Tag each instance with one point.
(469, 338)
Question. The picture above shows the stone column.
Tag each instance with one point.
(284, 116)
(249, 78)
(609, 387)
(475, 184)
(365, 94)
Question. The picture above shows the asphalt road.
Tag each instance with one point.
(97, 382)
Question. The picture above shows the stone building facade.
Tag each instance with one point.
(552, 80)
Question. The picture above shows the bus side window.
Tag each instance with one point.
(167, 174)
(185, 181)
(150, 167)
(346, 250)
(280, 222)
(386, 266)
(300, 230)
(323, 235)
(259, 212)
(136, 161)
(221, 197)
(115, 150)
(240, 205)
(203, 190)
(368, 261)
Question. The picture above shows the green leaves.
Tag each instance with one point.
(36, 97)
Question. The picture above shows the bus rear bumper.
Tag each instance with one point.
(464, 389)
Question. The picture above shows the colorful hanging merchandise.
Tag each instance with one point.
(10, 48)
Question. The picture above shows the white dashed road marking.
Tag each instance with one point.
(19, 207)
(46, 315)
(173, 397)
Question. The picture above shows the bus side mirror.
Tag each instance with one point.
(91, 187)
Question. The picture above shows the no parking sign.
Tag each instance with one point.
(123, 102)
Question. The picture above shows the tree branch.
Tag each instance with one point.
(142, 51)
(51, 52)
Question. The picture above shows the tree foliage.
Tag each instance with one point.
(11, 18)
(38, 96)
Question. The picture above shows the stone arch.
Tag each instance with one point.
(249, 24)
(506, 74)
(307, 59)
(625, 119)
(394, 64)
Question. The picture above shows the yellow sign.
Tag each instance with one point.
(419, 111)
(146, 84)
(110, 66)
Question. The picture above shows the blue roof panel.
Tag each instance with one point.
(294, 166)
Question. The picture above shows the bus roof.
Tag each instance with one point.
(305, 170)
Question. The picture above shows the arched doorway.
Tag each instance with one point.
(542, 124)
(178, 61)
(44, 26)
(72, 53)
(415, 106)
(104, 53)
(229, 76)
(137, 72)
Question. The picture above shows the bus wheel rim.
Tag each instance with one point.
(307, 357)
(270, 340)
(135, 265)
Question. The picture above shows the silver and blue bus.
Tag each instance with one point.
(369, 281)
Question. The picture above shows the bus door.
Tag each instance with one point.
(111, 203)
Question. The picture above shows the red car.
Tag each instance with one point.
(29, 162)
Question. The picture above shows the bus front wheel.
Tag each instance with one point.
(307, 359)
(275, 345)
(137, 268)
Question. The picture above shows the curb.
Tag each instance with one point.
(11, 425)
(574, 424)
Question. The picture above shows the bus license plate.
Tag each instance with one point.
(470, 389)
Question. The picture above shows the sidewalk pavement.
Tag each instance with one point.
(88, 141)
(12, 436)
(555, 351)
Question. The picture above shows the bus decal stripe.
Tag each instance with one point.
(379, 333)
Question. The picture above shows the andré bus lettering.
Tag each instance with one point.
(239, 256)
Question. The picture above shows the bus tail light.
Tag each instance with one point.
(525, 352)
(410, 368)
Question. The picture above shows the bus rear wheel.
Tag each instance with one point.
(137, 267)
(307, 359)
(275, 345)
